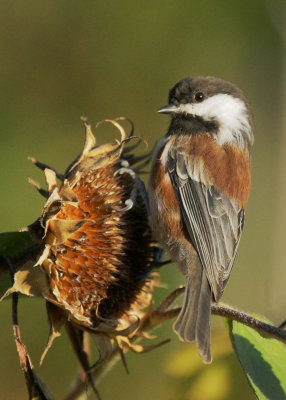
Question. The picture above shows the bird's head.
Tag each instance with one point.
(204, 104)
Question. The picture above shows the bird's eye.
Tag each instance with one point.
(199, 96)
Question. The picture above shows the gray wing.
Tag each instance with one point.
(213, 221)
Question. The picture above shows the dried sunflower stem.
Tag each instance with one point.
(161, 315)
(37, 390)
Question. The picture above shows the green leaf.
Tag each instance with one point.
(17, 247)
(15, 244)
(263, 360)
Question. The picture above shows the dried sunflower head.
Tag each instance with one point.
(97, 244)
(97, 249)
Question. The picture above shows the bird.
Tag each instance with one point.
(198, 190)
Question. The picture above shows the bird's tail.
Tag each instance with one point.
(193, 322)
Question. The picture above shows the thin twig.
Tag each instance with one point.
(248, 320)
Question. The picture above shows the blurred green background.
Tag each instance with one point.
(61, 59)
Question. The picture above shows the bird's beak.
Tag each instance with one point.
(169, 109)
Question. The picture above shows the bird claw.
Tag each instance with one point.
(159, 253)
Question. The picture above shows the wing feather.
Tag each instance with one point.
(213, 221)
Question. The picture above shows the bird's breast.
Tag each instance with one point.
(165, 215)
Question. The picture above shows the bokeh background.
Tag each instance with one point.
(61, 59)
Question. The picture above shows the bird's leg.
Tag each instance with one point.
(158, 263)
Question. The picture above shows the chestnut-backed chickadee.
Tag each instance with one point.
(198, 190)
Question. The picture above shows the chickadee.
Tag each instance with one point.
(198, 190)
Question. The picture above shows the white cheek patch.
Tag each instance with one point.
(228, 111)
